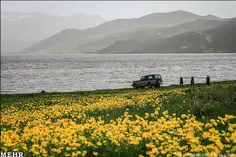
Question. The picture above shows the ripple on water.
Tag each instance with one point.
(58, 73)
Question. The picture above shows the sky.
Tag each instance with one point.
(122, 9)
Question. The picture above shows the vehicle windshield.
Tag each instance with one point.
(157, 76)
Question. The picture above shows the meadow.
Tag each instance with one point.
(170, 121)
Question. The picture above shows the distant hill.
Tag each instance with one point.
(147, 29)
(186, 42)
(63, 36)
(223, 37)
(158, 19)
(22, 29)
(159, 35)
(220, 38)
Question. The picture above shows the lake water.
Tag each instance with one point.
(64, 73)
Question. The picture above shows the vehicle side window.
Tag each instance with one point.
(149, 77)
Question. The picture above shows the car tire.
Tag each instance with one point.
(135, 86)
(149, 85)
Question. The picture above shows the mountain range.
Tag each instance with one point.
(23, 29)
(171, 32)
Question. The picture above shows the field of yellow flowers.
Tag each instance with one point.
(134, 123)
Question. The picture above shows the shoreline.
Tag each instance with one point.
(173, 86)
(9, 54)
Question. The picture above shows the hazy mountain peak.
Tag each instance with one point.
(177, 12)
(211, 17)
(19, 27)
(70, 30)
(82, 15)
(181, 12)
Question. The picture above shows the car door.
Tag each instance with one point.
(144, 81)
(153, 80)
(141, 81)
(149, 79)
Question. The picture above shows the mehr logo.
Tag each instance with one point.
(12, 154)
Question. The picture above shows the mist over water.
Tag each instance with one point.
(66, 73)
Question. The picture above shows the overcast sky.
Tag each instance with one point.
(123, 9)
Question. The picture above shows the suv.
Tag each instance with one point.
(148, 81)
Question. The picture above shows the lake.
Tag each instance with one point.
(66, 73)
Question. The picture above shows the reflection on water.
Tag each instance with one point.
(59, 73)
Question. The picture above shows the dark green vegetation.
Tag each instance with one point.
(205, 102)
(177, 31)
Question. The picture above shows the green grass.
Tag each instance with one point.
(202, 101)
(205, 102)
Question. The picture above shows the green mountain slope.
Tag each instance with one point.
(59, 38)
(217, 39)
(159, 35)
(186, 42)
(96, 38)
(223, 37)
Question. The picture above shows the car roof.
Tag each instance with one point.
(153, 74)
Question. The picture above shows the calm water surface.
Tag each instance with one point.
(63, 73)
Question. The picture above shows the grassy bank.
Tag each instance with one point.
(123, 122)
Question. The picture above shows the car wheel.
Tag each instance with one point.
(149, 85)
(135, 86)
